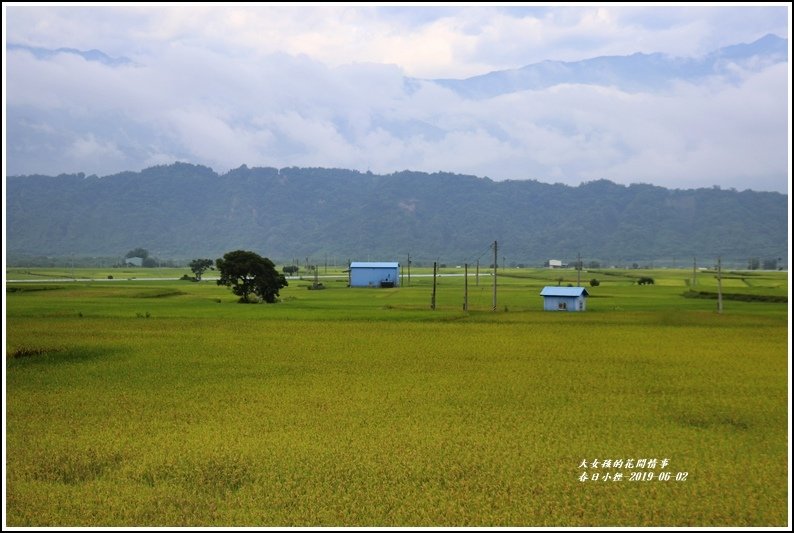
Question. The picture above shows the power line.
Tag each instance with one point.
(472, 259)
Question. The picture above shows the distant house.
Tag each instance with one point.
(367, 274)
(555, 263)
(133, 261)
(564, 298)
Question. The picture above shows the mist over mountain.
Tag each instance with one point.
(636, 72)
(187, 211)
(679, 122)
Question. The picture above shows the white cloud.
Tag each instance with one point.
(87, 147)
(325, 87)
(446, 42)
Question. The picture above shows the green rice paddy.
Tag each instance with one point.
(165, 403)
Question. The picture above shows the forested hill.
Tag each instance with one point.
(187, 211)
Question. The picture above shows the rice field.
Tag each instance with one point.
(165, 403)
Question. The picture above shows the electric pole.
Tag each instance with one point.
(494, 276)
(433, 298)
(477, 275)
(719, 284)
(465, 286)
(694, 270)
(409, 268)
(578, 269)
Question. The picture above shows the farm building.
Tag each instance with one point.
(555, 263)
(366, 274)
(564, 298)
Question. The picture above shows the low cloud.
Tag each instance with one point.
(243, 103)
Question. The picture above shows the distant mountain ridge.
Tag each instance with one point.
(638, 71)
(634, 72)
(88, 55)
(187, 211)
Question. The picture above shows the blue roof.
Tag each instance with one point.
(564, 291)
(367, 264)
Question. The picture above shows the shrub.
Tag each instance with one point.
(738, 297)
(29, 351)
(594, 282)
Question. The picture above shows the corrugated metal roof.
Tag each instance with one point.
(366, 264)
(564, 291)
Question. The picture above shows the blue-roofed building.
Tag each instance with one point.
(374, 274)
(564, 298)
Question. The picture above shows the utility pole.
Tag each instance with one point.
(578, 269)
(694, 270)
(494, 276)
(719, 284)
(477, 275)
(433, 298)
(465, 286)
(409, 268)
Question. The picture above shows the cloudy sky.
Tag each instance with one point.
(346, 86)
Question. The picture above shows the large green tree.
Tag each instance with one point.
(143, 253)
(249, 273)
(199, 266)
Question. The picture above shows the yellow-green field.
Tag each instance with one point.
(165, 403)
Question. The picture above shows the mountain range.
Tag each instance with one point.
(636, 72)
(187, 211)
